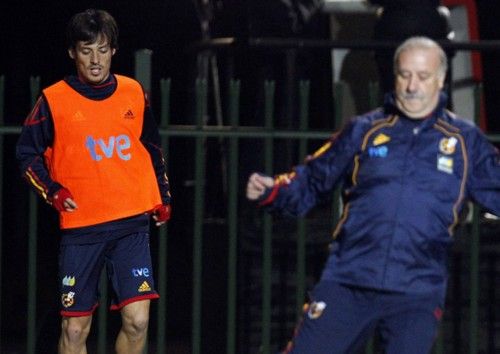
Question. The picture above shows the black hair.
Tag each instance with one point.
(88, 25)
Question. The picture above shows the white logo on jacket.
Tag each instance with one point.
(316, 309)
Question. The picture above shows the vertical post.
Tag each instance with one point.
(234, 113)
(373, 94)
(165, 85)
(32, 247)
(369, 346)
(474, 254)
(474, 282)
(338, 99)
(142, 68)
(142, 73)
(288, 114)
(492, 314)
(2, 92)
(439, 345)
(269, 89)
(199, 197)
(304, 90)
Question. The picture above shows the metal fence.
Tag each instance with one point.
(236, 332)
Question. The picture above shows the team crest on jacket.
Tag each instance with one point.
(447, 145)
(316, 309)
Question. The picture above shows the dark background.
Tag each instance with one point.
(32, 40)
(32, 43)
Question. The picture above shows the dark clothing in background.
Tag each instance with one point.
(400, 20)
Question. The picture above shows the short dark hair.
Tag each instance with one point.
(88, 25)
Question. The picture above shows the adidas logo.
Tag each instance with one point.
(78, 117)
(129, 114)
(144, 287)
(381, 139)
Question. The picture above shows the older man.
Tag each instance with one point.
(407, 171)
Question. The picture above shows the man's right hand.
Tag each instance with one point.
(257, 185)
(62, 200)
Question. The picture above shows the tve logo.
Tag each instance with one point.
(378, 151)
(107, 148)
(140, 272)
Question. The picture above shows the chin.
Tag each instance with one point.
(95, 81)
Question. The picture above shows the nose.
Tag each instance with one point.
(412, 84)
(94, 57)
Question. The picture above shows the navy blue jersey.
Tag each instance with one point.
(404, 184)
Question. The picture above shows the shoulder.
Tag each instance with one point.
(57, 86)
(458, 124)
(371, 119)
(129, 84)
(473, 136)
(358, 126)
(126, 80)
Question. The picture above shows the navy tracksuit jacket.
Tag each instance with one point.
(405, 183)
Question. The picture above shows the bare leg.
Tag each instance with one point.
(133, 334)
(74, 333)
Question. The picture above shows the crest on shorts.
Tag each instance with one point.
(68, 281)
(68, 299)
(316, 309)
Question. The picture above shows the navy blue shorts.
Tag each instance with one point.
(128, 264)
(341, 319)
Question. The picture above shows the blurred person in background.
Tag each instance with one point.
(398, 20)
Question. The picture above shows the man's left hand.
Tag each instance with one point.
(161, 213)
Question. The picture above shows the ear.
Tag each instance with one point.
(441, 76)
(113, 51)
(71, 53)
(441, 81)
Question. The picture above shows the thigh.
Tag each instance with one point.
(411, 326)
(79, 272)
(130, 270)
(338, 320)
(80, 324)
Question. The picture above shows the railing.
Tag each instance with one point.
(234, 133)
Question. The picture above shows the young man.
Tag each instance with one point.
(407, 171)
(90, 148)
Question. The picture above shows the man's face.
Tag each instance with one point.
(92, 60)
(418, 82)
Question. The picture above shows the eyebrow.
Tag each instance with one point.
(99, 45)
(418, 72)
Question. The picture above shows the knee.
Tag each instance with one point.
(136, 324)
(75, 329)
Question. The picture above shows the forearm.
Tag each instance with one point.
(36, 137)
(150, 138)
